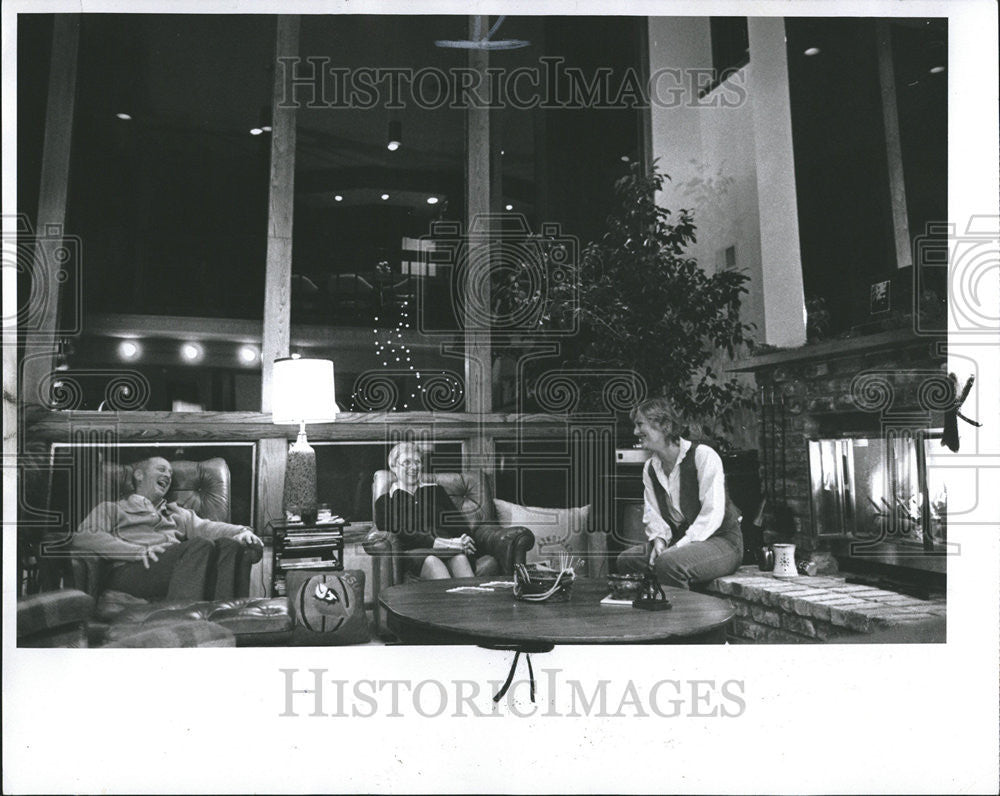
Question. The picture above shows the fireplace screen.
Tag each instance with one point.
(878, 489)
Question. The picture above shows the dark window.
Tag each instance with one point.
(849, 263)
(730, 45)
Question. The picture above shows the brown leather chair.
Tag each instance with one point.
(473, 497)
(203, 487)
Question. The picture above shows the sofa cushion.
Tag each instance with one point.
(328, 608)
(557, 532)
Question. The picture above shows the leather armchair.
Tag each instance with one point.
(472, 495)
(203, 487)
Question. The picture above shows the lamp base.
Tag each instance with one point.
(300, 478)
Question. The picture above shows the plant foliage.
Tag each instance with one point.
(640, 303)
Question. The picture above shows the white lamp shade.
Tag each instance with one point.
(303, 391)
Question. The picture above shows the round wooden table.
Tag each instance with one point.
(427, 613)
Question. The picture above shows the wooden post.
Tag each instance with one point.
(276, 334)
(46, 275)
(893, 148)
(477, 299)
(281, 199)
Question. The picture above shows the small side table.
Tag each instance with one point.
(312, 546)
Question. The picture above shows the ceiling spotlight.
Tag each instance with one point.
(625, 158)
(338, 198)
(936, 70)
(508, 207)
(266, 128)
(256, 130)
(129, 349)
(192, 352)
(125, 117)
(395, 138)
(248, 354)
(810, 51)
(385, 196)
(432, 200)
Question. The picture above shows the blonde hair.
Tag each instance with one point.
(660, 412)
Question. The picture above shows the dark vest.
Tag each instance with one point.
(690, 503)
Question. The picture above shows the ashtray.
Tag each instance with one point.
(537, 583)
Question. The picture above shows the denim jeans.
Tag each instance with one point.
(697, 562)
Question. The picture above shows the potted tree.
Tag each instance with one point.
(640, 304)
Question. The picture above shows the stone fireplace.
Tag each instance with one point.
(849, 434)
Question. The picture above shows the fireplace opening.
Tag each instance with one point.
(877, 496)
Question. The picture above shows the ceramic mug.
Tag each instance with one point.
(784, 561)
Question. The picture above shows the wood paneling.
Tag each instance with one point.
(272, 455)
(281, 200)
(40, 341)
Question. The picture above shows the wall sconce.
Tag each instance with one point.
(303, 392)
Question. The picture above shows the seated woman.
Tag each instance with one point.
(424, 518)
(692, 527)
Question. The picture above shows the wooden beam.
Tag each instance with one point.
(154, 427)
(281, 200)
(893, 148)
(479, 194)
(478, 370)
(50, 234)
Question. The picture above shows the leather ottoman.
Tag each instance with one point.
(253, 621)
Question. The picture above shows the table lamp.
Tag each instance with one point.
(303, 392)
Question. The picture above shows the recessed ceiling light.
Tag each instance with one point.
(625, 159)
(392, 146)
(266, 128)
(385, 196)
(125, 117)
(248, 354)
(936, 70)
(256, 131)
(509, 207)
(192, 352)
(811, 51)
(432, 200)
(338, 198)
(129, 349)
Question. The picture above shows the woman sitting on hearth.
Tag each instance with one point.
(434, 537)
(692, 527)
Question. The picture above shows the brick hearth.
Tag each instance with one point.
(818, 609)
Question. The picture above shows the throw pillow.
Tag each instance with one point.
(328, 608)
(559, 532)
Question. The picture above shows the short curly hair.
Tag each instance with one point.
(660, 412)
(405, 447)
